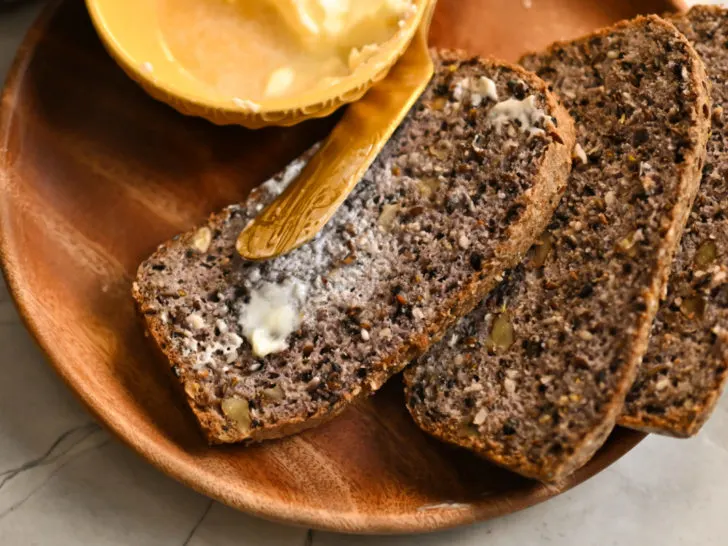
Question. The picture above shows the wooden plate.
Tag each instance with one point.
(94, 174)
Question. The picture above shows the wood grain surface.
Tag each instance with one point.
(94, 174)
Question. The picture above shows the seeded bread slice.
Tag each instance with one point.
(535, 378)
(686, 366)
(457, 196)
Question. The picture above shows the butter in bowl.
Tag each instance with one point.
(269, 62)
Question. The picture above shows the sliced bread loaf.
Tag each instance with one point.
(536, 377)
(458, 195)
(686, 365)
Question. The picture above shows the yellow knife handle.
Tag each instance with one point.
(310, 201)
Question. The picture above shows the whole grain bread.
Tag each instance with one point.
(457, 196)
(536, 377)
(686, 365)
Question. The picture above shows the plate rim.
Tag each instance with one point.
(437, 519)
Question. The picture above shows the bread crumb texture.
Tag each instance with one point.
(685, 368)
(445, 208)
(535, 377)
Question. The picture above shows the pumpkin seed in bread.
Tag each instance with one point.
(457, 196)
(536, 377)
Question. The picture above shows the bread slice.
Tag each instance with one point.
(686, 365)
(536, 377)
(458, 195)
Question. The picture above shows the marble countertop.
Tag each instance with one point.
(65, 481)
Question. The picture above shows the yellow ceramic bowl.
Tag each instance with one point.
(131, 32)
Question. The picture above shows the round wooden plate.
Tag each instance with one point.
(94, 174)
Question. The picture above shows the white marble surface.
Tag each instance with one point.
(65, 481)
